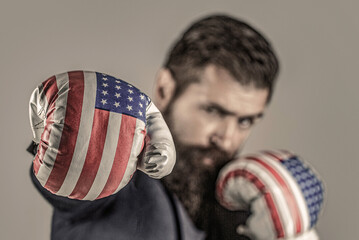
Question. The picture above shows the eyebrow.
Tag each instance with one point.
(227, 112)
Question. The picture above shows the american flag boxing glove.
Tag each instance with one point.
(284, 195)
(91, 129)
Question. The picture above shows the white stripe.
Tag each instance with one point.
(151, 108)
(289, 226)
(239, 192)
(84, 135)
(135, 151)
(260, 221)
(37, 105)
(295, 190)
(108, 156)
(232, 166)
(62, 81)
(277, 195)
(231, 203)
(281, 154)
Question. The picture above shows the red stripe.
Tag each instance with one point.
(50, 90)
(262, 188)
(94, 154)
(123, 152)
(49, 87)
(288, 194)
(273, 155)
(69, 133)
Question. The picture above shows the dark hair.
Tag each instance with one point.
(225, 42)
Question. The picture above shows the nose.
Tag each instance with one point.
(226, 136)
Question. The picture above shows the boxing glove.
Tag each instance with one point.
(282, 192)
(93, 131)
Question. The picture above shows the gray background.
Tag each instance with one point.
(314, 110)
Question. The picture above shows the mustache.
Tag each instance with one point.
(197, 153)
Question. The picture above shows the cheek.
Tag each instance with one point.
(241, 138)
(190, 127)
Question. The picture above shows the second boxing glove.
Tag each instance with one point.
(283, 193)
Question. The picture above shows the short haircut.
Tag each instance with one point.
(224, 42)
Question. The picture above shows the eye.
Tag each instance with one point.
(245, 123)
(212, 110)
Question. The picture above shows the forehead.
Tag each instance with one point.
(218, 86)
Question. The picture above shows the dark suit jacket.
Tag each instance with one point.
(143, 209)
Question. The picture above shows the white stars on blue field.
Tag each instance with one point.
(310, 185)
(119, 96)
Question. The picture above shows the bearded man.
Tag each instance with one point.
(214, 87)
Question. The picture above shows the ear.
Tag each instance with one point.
(164, 88)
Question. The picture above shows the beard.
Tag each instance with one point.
(193, 181)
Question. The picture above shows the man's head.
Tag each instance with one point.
(224, 42)
(215, 84)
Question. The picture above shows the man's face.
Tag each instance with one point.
(209, 122)
(215, 112)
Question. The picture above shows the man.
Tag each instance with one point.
(215, 85)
